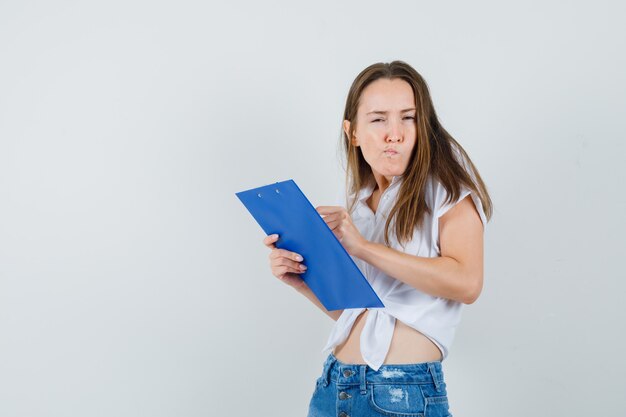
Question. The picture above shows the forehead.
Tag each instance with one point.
(387, 95)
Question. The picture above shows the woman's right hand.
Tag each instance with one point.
(285, 265)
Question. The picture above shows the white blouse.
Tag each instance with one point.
(435, 317)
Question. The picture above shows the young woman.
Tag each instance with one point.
(413, 222)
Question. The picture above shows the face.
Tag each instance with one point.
(385, 127)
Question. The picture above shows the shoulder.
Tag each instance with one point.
(443, 201)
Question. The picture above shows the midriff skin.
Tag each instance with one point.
(407, 344)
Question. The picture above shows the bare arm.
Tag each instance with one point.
(306, 291)
(457, 274)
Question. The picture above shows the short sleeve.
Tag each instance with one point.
(443, 207)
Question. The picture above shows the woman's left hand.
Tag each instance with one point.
(339, 221)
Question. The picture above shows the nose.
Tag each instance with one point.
(395, 133)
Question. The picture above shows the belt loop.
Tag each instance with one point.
(433, 373)
(329, 365)
(362, 378)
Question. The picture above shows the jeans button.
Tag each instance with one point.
(343, 395)
(347, 373)
(343, 414)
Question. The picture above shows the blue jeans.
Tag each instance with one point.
(355, 390)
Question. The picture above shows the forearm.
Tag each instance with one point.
(440, 276)
(306, 291)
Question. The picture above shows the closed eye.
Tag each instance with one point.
(380, 120)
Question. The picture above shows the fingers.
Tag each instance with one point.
(281, 257)
(333, 224)
(327, 210)
(270, 240)
(278, 253)
(286, 268)
(283, 261)
(336, 217)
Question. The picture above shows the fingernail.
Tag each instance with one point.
(274, 236)
(298, 258)
(302, 266)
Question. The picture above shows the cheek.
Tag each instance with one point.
(411, 130)
(370, 153)
(373, 128)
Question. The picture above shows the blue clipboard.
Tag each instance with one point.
(331, 273)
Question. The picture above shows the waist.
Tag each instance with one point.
(408, 346)
(342, 373)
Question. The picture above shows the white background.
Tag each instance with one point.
(133, 282)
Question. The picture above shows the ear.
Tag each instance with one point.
(346, 129)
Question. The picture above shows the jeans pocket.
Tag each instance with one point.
(437, 407)
(398, 400)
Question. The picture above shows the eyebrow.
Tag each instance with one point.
(384, 112)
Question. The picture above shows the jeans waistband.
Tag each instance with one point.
(360, 374)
